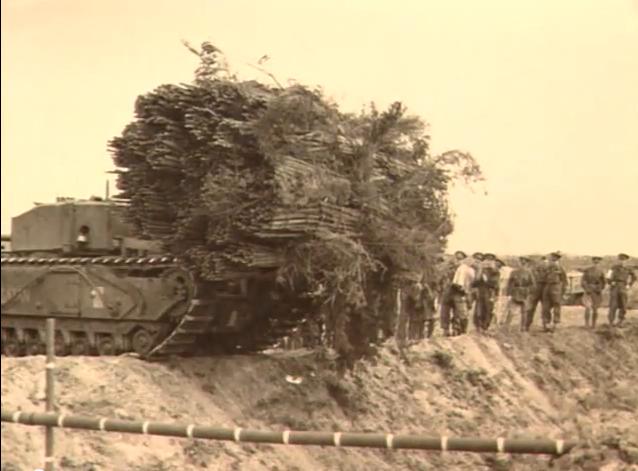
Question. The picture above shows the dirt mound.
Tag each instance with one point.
(572, 384)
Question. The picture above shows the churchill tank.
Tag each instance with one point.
(79, 262)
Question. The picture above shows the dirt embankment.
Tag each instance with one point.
(572, 384)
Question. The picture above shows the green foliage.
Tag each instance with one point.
(209, 167)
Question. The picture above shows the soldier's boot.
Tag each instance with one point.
(587, 316)
(546, 325)
(621, 317)
(611, 317)
(594, 317)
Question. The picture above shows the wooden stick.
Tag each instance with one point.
(50, 365)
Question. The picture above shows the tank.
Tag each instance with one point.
(79, 262)
(574, 290)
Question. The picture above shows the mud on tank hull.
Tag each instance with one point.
(109, 305)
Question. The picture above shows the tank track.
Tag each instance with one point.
(185, 336)
(109, 261)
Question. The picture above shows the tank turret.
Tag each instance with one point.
(76, 227)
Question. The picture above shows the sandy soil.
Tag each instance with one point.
(574, 383)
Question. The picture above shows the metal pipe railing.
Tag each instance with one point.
(288, 437)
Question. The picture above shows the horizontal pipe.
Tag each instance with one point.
(370, 440)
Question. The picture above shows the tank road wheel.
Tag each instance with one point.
(34, 347)
(142, 342)
(105, 346)
(11, 347)
(80, 347)
(60, 347)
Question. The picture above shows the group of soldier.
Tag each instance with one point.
(472, 286)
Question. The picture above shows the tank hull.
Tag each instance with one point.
(109, 305)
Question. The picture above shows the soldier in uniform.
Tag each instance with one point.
(501, 310)
(412, 299)
(620, 278)
(428, 300)
(455, 296)
(477, 265)
(486, 284)
(420, 305)
(553, 291)
(593, 283)
(520, 286)
(536, 294)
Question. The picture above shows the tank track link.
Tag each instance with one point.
(109, 261)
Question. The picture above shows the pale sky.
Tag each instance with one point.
(543, 93)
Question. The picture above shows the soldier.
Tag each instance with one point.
(553, 291)
(414, 308)
(501, 310)
(420, 302)
(476, 264)
(428, 302)
(455, 296)
(486, 284)
(620, 278)
(593, 283)
(536, 295)
(519, 288)
(429, 305)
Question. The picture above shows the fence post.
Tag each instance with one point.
(50, 365)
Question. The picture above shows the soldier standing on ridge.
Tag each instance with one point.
(593, 283)
(415, 308)
(555, 285)
(446, 304)
(620, 278)
(501, 310)
(520, 286)
(486, 283)
(428, 298)
(455, 296)
(477, 265)
(536, 296)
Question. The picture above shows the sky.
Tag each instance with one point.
(544, 94)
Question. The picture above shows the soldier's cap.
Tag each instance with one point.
(524, 259)
(596, 259)
(489, 256)
(623, 256)
(500, 262)
(460, 252)
(477, 255)
(555, 255)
